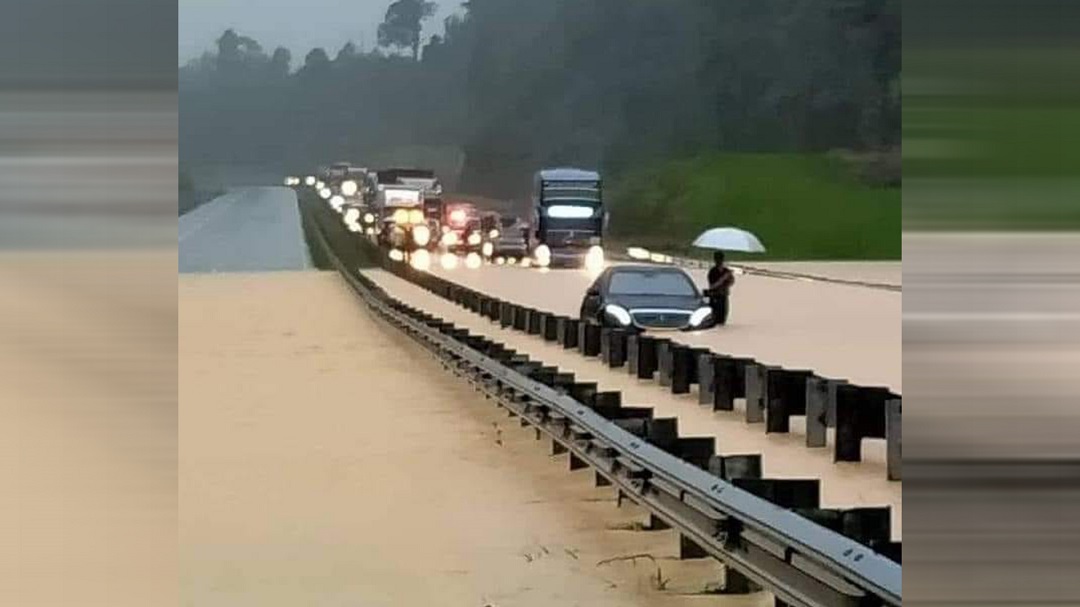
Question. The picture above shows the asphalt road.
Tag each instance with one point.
(248, 230)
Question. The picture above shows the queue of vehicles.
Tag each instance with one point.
(405, 211)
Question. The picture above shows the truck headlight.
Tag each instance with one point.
(700, 316)
(401, 216)
(416, 216)
(348, 188)
(474, 239)
(618, 313)
(543, 255)
(421, 235)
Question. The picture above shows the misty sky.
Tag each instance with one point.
(298, 25)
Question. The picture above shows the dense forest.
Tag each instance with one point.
(511, 85)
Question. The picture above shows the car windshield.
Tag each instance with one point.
(643, 282)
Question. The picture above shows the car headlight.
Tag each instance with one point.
(543, 251)
(493, 234)
(320, 184)
(619, 313)
(369, 218)
(337, 201)
(401, 216)
(309, 181)
(474, 239)
(700, 316)
(416, 216)
(450, 239)
(348, 188)
(421, 235)
(352, 215)
(324, 193)
(488, 249)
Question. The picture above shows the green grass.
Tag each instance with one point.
(800, 206)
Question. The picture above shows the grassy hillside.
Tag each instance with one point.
(801, 206)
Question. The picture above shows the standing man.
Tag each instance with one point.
(721, 278)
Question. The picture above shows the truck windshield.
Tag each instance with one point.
(651, 283)
(395, 198)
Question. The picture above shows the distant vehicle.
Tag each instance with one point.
(640, 297)
(460, 226)
(568, 218)
(337, 172)
(513, 239)
(400, 212)
(424, 179)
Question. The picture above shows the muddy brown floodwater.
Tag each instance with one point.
(324, 460)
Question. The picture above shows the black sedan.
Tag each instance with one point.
(646, 297)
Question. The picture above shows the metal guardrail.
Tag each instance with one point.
(799, 561)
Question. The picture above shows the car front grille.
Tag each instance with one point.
(666, 319)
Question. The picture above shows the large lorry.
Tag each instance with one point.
(568, 218)
(402, 224)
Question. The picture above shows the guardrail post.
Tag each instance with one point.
(860, 413)
(893, 425)
(583, 392)
(613, 346)
(784, 492)
(696, 450)
(684, 367)
(688, 549)
(521, 317)
(632, 341)
(589, 338)
(757, 391)
(506, 314)
(706, 365)
(535, 321)
(820, 408)
(787, 397)
(663, 362)
(730, 467)
(730, 382)
(551, 328)
(568, 332)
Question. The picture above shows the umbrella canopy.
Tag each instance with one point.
(729, 239)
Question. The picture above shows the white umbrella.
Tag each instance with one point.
(729, 239)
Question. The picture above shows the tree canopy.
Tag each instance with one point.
(403, 23)
(518, 84)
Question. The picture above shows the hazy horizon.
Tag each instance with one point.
(297, 26)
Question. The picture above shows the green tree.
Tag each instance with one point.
(402, 24)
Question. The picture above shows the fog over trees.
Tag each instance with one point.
(518, 84)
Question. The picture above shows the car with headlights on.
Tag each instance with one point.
(646, 297)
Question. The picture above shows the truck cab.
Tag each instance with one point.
(568, 218)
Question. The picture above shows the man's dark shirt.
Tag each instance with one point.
(722, 275)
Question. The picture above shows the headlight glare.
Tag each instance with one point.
(421, 235)
(618, 313)
(700, 316)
